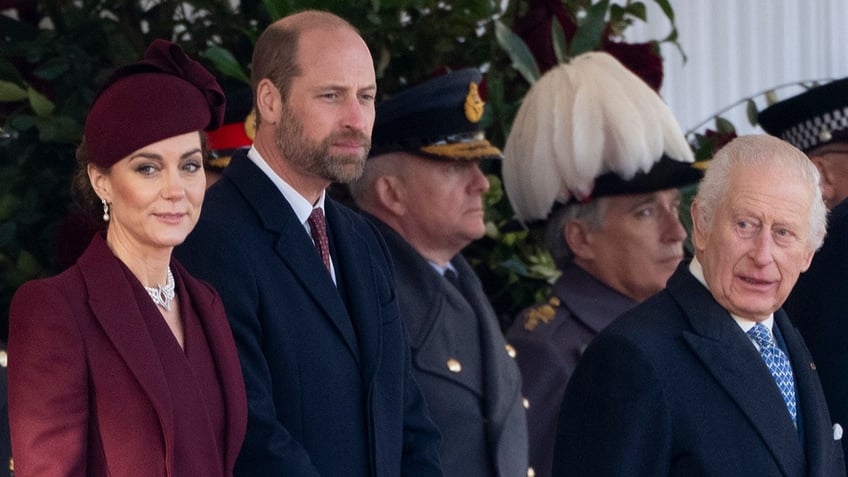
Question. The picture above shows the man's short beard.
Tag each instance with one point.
(314, 157)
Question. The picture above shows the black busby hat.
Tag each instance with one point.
(811, 119)
(438, 119)
(666, 173)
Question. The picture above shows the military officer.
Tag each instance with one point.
(614, 233)
(423, 188)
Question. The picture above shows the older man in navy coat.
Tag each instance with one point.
(423, 187)
(323, 350)
(814, 122)
(709, 377)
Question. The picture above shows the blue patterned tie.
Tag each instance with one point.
(778, 364)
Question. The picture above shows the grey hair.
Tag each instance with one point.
(760, 151)
(592, 214)
(362, 190)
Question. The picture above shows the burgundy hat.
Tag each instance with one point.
(164, 95)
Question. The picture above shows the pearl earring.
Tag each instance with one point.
(105, 210)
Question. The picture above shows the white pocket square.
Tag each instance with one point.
(837, 432)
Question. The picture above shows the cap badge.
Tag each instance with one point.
(825, 135)
(473, 104)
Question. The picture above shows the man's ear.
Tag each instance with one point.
(269, 102)
(391, 194)
(699, 235)
(578, 236)
(808, 260)
(828, 178)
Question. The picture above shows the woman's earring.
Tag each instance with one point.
(105, 210)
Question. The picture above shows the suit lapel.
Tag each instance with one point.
(349, 249)
(429, 304)
(214, 323)
(818, 437)
(732, 359)
(296, 251)
(112, 302)
(492, 346)
(501, 379)
(294, 247)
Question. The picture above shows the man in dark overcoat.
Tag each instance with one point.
(613, 231)
(816, 122)
(423, 187)
(709, 377)
(308, 284)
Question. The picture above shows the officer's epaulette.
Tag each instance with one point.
(544, 312)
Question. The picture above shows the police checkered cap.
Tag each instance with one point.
(811, 119)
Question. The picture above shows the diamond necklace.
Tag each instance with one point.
(162, 295)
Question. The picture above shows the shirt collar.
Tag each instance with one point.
(302, 207)
(442, 270)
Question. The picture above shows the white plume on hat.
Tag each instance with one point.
(580, 120)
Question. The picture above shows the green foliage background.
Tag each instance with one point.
(54, 54)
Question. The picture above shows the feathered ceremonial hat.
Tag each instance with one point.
(591, 128)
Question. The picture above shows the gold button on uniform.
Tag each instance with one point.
(526, 403)
(454, 365)
(510, 350)
(531, 472)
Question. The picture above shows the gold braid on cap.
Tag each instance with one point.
(463, 150)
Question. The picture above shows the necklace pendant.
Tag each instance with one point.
(162, 295)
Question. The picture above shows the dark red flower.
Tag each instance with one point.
(640, 58)
(534, 27)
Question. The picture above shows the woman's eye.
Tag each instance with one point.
(146, 169)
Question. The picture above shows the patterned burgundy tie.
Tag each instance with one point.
(318, 228)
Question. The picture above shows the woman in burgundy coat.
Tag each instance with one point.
(124, 365)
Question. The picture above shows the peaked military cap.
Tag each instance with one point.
(438, 119)
(814, 118)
